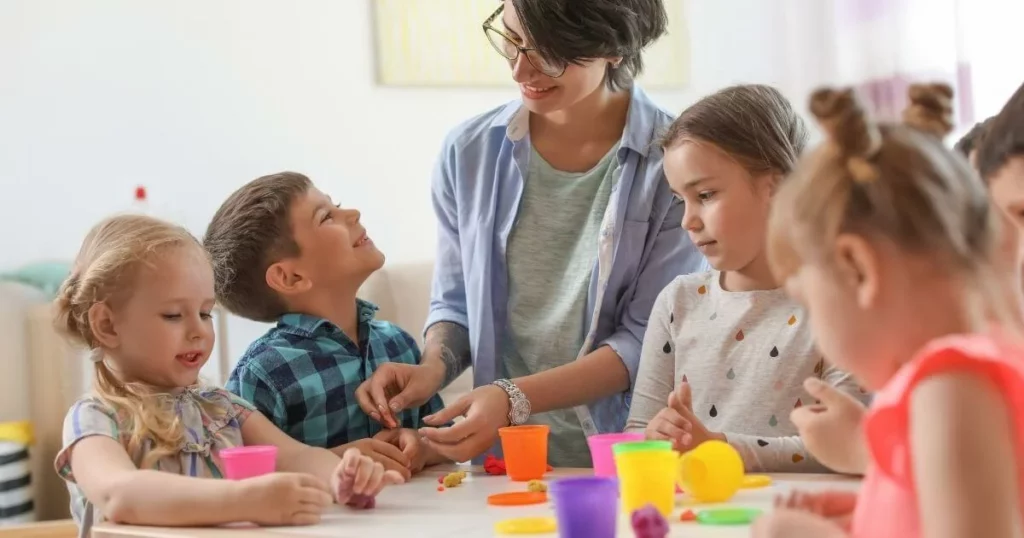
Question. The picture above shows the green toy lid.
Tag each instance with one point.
(728, 516)
(639, 446)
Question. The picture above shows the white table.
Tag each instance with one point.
(418, 509)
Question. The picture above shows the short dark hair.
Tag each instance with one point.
(571, 31)
(972, 140)
(1004, 137)
(250, 232)
(753, 123)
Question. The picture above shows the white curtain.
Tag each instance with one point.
(882, 46)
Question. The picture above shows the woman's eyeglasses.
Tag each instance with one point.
(510, 49)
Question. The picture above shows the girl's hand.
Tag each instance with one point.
(784, 523)
(831, 430)
(835, 505)
(669, 425)
(681, 401)
(358, 479)
(486, 410)
(278, 499)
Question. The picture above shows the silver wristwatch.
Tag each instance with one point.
(519, 406)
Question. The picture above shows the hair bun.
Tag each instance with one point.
(930, 109)
(843, 118)
(846, 123)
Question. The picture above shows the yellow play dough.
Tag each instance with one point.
(526, 525)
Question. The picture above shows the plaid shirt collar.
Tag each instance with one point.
(308, 325)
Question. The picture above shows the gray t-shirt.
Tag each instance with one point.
(551, 254)
(745, 356)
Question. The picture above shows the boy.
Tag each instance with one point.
(968, 145)
(282, 251)
(1001, 157)
(1000, 161)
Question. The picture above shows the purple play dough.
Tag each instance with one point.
(649, 523)
(362, 502)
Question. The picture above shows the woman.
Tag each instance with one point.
(556, 233)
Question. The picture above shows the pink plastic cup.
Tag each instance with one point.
(248, 461)
(601, 450)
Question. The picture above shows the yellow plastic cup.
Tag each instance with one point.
(647, 475)
(712, 472)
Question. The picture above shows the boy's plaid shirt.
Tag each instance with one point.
(303, 375)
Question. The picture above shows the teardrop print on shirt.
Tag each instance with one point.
(731, 374)
(671, 317)
(773, 422)
(774, 352)
(684, 379)
(739, 335)
(702, 290)
(819, 368)
(762, 443)
(798, 404)
(667, 348)
(714, 411)
(797, 458)
(714, 315)
(792, 320)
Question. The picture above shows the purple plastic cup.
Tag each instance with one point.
(601, 450)
(248, 461)
(586, 506)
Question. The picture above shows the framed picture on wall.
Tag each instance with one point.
(440, 43)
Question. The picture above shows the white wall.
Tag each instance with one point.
(203, 95)
(189, 96)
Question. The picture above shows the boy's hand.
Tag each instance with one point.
(678, 423)
(285, 499)
(831, 430)
(358, 479)
(383, 452)
(408, 441)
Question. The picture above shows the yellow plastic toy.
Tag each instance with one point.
(647, 474)
(712, 472)
(752, 481)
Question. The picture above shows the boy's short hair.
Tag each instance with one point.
(1004, 137)
(250, 232)
(972, 140)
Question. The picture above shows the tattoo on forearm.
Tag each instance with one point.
(453, 340)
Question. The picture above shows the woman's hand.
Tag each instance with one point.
(485, 408)
(394, 387)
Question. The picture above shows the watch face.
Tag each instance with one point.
(520, 411)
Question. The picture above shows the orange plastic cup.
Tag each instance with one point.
(526, 451)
